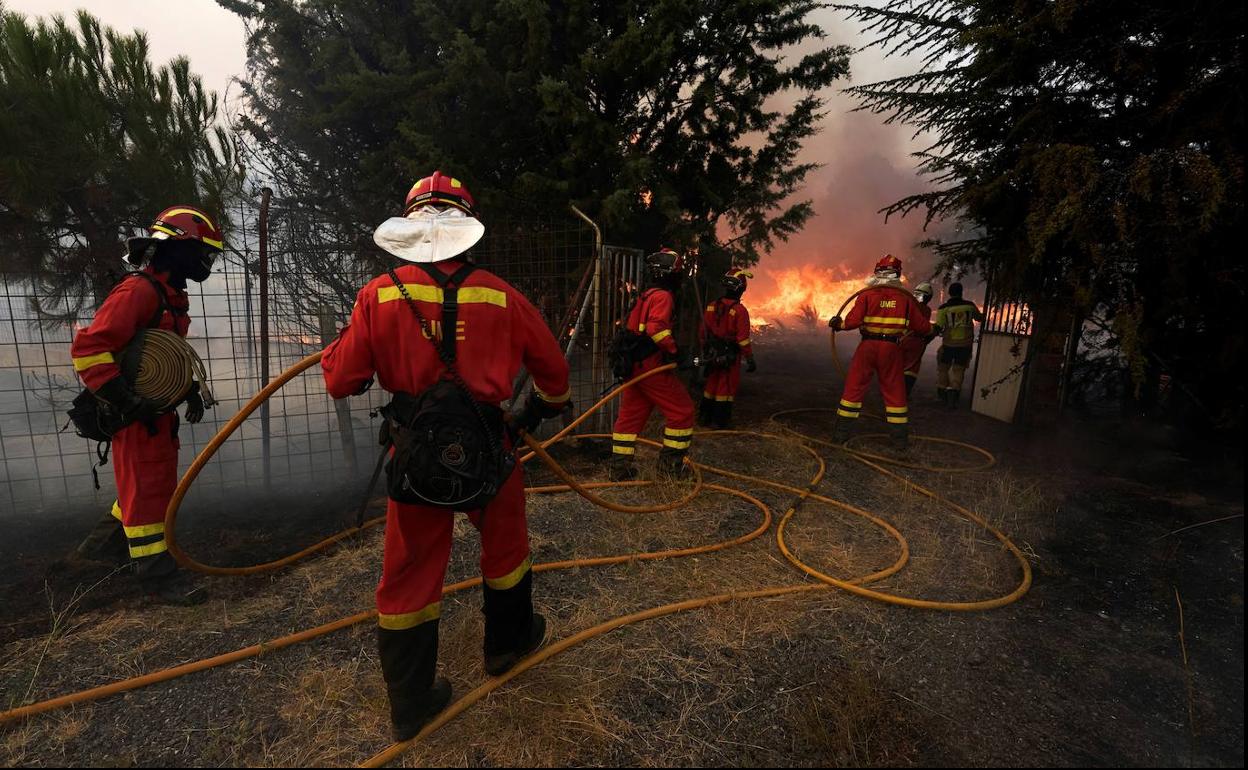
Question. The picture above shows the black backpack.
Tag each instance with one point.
(629, 348)
(448, 447)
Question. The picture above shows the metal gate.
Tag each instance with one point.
(1000, 363)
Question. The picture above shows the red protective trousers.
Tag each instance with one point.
(418, 549)
(145, 464)
(884, 359)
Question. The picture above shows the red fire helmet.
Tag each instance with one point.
(889, 262)
(442, 190)
(177, 223)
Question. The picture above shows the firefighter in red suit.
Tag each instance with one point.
(913, 346)
(182, 245)
(498, 331)
(651, 316)
(725, 337)
(885, 312)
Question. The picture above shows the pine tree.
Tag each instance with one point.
(1095, 151)
(94, 142)
(608, 105)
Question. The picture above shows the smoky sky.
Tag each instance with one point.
(866, 164)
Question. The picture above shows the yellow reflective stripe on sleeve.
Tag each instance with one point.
(899, 420)
(896, 409)
(138, 552)
(511, 578)
(661, 335)
(623, 436)
(145, 530)
(86, 362)
(879, 319)
(845, 413)
(744, 342)
(851, 404)
(678, 431)
(479, 295)
(722, 398)
(674, 444)
(409, 619)
(623, 450)
(117, 510)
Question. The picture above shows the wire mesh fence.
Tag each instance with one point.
(312, 281)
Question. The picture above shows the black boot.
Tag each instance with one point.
(900, 437)
(706, 412)
(840, 431)
(176, 590)
(512, 629)
(955, 398)
(910, 380)
(622, 468)
(672, 464)
(165, 583)
(723, 415)
(409, 660)
(105, 544)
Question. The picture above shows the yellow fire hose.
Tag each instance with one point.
(537, 449)
(165, 366)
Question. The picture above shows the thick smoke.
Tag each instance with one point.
(866, 165)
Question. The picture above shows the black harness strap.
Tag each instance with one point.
(450, 303)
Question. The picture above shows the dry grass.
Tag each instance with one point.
(739, 683)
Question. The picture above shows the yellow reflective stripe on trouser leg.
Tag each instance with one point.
(901, 420)
(897, 409)
(677, 432)
(408, 620)
(851, 404)
(148, 545)
(677, 444)
(622, 443)
(117, 510)
(847, 413)
(511, 578)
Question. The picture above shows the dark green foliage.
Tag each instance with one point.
(94, 142)
(538, 104)
(1096, 149)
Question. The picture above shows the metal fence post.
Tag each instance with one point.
(265, 194)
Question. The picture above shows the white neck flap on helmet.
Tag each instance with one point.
(429, 234)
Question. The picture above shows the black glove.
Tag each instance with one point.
(535, 410)
(750, 366)
(686, 361)
(194, 404)
(131, 407)
(365, 387)
(835, 323)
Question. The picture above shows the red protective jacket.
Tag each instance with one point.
(130, 307)
(887, 311)
(498, 331)
(728, 319)
(652, 316)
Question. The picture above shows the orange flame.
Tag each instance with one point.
(805, 291)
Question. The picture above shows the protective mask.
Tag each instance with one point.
(429, 234)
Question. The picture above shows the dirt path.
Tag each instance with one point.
(1088, 669)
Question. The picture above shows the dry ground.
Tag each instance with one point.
(1087, 669)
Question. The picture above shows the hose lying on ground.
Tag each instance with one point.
(825, 582)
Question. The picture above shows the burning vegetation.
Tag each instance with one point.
(804, 296)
